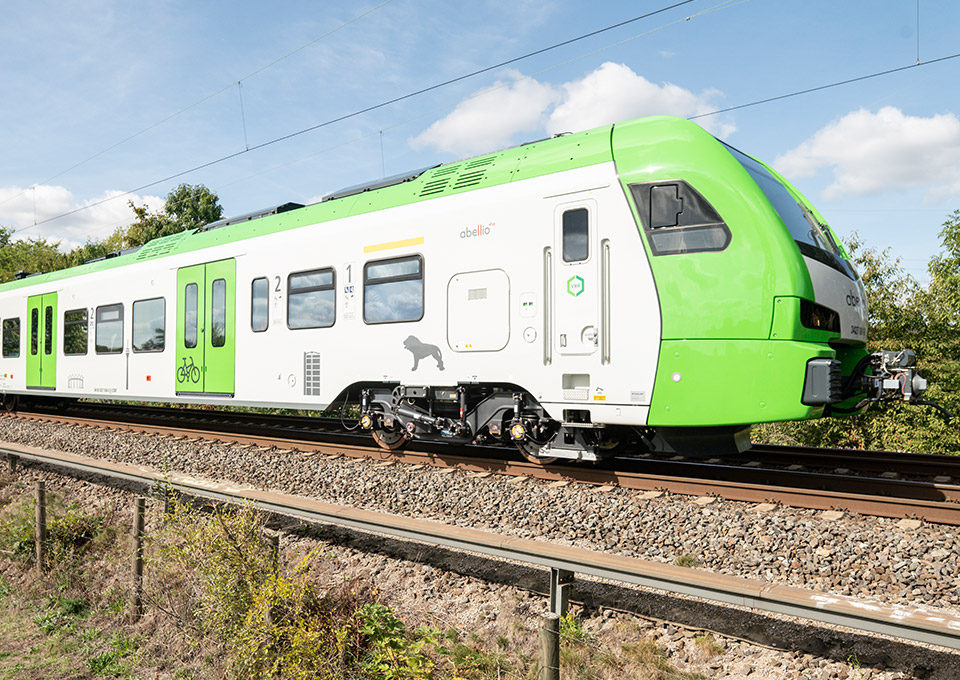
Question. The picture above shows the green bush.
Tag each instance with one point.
(70, 529)
(16, 528)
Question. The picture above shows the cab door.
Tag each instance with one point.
(576, 280)
(206, 328)
(42, 341)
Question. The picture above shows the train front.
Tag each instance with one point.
(839, 306)
(763, 316)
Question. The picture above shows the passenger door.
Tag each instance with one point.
(42, 341)
(206, 328)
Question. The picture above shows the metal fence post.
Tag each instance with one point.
(561, 584)
(549, 647)
(136, 594)
(11, 464)
(40, 526)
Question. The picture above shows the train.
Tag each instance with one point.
(640, 286)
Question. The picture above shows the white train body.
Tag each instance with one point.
(638, 281)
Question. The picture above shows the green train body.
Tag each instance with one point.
(640, 284)
(740, 306)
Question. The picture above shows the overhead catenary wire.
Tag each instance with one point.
(200, 101)
(694, 117)
(485, 70)
(828, 86)
(346, 116)
(476, 95)
(243, 117)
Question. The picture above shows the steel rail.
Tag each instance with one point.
(903, 462)
(867, 496)
(923, 625)
(331, 429)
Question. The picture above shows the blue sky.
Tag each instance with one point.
(880, 157)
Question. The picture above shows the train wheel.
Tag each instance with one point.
(10, 402)
(531, 452)
(391, 441)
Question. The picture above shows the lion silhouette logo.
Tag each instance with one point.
(421, 350)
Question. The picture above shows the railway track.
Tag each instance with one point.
(917, 624)
(793, 476)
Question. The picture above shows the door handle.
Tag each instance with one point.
(590, 335)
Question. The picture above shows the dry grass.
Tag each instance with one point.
(219, 606)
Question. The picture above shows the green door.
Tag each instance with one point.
(206, 328)
(42, 341)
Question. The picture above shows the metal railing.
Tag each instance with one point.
(910, 623)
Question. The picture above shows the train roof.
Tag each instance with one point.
(534, 159)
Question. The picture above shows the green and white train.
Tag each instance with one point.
(640, 283)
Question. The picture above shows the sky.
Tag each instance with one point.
(106, 102)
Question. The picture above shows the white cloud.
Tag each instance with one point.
(611, 93)
(614, 92)
(872, 153)
(22, 208)
(489, 120)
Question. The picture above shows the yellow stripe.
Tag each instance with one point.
(393, 244)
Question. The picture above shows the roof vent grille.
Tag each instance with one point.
(439, 180)
(469, 179)
(456, 176)
(473, 172)
(159, 247)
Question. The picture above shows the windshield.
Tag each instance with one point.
(813, 237)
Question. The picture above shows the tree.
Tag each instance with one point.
(187, 207)
(31, 256)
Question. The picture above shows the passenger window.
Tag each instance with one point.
(190, 316)
(11, 337)
(75, 332)
(48, 330)
(393, 290)
(218, 337)
(576, 244)
(260, 305)
(149, 325)
(34, 331)
(109, 329)
(311, 299)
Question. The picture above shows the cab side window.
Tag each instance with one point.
(576, 244)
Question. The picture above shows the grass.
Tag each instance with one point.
(220, 608)
(53, 642)
(687, 561)
(708, 645)
(32, 654)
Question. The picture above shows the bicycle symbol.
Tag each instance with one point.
(188, 371)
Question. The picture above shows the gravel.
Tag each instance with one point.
(897, 562)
